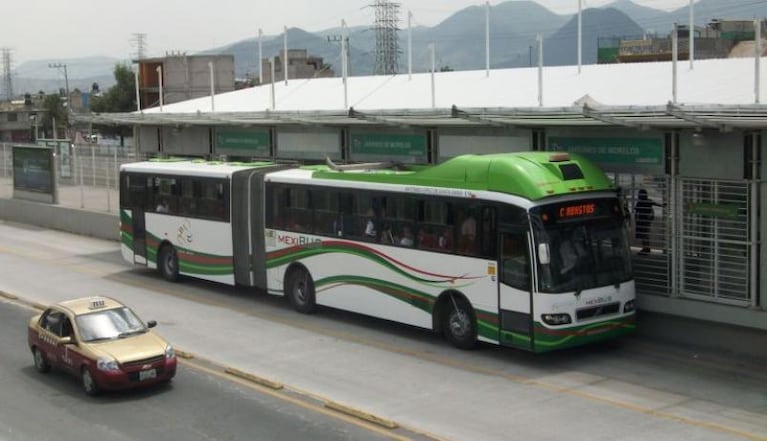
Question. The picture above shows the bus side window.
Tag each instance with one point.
(211, 200)
(515, 267)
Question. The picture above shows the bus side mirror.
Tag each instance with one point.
(544, 257)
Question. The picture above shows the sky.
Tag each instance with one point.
(61, 30)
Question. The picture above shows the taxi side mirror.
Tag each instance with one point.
(151, 324)
(65, 341)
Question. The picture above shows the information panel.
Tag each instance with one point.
(243, 142)
(388, 145)
(630, 155)
(33, 173)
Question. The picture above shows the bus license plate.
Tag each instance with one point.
(147, 375)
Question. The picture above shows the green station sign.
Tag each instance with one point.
(616, 154)
(726, 211)
(388, 144)
(243, 141)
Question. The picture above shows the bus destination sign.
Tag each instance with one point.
(577, 210)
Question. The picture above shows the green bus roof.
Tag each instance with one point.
(532, 175)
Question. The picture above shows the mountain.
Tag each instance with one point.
(707, 10)
(33, 76)
(459, 41)
(652, 20)
(561, 48)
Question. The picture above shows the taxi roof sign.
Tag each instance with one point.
(97, 303)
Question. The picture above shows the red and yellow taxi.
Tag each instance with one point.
(102, 342)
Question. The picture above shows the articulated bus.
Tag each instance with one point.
(527, 250)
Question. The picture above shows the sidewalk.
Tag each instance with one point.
(86, 197)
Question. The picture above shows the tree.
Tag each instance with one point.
(54, 109)
(119, 98)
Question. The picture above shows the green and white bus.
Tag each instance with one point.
(528, 250)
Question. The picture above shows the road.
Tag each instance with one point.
(629, 390)
(197, 405)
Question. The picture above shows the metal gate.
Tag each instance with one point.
(715, 241)
(651, 243)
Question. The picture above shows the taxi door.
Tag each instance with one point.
(515, 289)
(49, 336)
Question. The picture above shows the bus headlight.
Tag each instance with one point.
(556, 319)
(628, 306)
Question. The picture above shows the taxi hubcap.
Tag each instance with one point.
(88, 383)
(39, 362)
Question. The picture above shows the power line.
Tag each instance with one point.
(387, 42)
(7, 76)
(139, 42)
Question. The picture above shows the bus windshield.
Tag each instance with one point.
(587, 243)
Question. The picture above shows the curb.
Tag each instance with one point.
(389, 424)
(255, 379)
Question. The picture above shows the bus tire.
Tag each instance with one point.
(300, 290)
(460, 324)
(167, 263)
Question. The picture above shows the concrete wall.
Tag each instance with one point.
(56, 217)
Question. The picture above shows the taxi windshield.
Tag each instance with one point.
(109, 324)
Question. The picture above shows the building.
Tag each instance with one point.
(718, 39)
(20, 119)
(300, 65)
(182, 77)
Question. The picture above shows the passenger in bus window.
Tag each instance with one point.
(163, 207)
(468, 233)
(370, 226)
(386, 235)
(338, 226)
(407, 237)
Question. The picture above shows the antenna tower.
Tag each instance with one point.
(7, 76)
(139, 42)
(387, 42)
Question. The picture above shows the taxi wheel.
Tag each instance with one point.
(89, 383)
(41, 364)
(300, 290)
(460, 325)
(167, 263)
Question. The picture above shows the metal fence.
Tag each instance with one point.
(87, 175)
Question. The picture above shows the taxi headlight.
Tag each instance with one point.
(169, 352)
(107, 364)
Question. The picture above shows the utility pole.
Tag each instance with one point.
(343, 39)
(7, 76)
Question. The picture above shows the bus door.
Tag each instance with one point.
(135, 201)
(515, 290)
(139, 235)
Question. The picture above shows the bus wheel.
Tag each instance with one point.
(300, 291)
(460, 326)
(167, 263)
